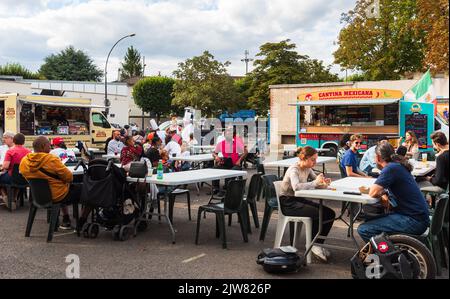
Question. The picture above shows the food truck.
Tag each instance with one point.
(324, 116)
(74, 119)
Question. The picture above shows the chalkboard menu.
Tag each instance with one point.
(418, 123)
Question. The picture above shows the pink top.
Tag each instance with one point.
(15, 155)
(231, 150)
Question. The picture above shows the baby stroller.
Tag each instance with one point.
(106, 191)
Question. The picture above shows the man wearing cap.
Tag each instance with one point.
(7, 144)
(60, 150)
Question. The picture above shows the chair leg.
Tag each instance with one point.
(75, 213)
(255, 214)
(53, 222)
(442, 250)
(221, 219)
(436, 253)
(308, 236)
(291, 232)
(188, 195)
(265, 224)
(217, 227)
(30, 221)
(159, 210)
(281, 225)
(199, 216)
(243, 224)
(297, 233)
(230, 219)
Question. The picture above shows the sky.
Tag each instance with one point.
(167, 31)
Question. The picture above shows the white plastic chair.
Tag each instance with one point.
(283, 220)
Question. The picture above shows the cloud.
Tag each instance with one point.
(167, 32)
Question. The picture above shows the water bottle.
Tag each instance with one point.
(159, 171)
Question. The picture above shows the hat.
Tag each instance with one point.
(57, 141)
(150, 136)
(154, 125)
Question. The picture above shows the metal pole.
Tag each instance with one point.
(246, 60)
(107, 104)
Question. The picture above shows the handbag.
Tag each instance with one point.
(138, 169)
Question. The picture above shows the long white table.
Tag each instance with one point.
(289, 162)
(175, 179)
(422, 169)
(195, 149)
(336, 193)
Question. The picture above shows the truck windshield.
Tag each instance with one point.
(99, 120)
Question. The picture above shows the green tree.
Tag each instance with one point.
(203, 83)
(154, 94)
(385, 46)
(16, 69)
(131, 67)
(281, 64)
(71, 65)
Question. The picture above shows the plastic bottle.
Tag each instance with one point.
(159, 171)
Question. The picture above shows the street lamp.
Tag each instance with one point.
(107, 103)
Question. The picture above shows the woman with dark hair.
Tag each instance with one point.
(130, 152)
(410, 212)
(439, 181)
(302, 177)
(412, 145)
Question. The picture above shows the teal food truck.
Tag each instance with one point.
(324, 116)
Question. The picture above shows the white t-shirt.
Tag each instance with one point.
(3, 149)
(173, 148)
(64, 154)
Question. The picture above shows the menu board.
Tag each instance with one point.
(418, 123)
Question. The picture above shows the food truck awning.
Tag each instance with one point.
(354, 102)
(49, 103)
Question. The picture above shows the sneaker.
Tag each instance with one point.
(66, 224)
(319, 253)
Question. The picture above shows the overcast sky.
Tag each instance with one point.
(167, 31)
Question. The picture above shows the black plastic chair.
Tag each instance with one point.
(18, 182)
(42, 199)
(172, 197)
(233, 204)
(271, 202)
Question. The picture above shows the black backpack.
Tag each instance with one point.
(280, 260)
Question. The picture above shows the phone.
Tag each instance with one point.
(352, 193)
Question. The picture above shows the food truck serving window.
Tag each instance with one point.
(54, 120)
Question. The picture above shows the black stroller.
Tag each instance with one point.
(105, 191)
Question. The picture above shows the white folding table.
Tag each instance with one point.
(176, 179)
(195, 149)
(421, 168)
(336, 193)
(289, 162)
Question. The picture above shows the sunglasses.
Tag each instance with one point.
(358, 142)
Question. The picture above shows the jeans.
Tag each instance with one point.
(391, 224)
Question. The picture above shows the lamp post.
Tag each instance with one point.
(107, 103)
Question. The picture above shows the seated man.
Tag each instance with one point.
(368, 160)
(233, 154)
(115, 145)
(43, 165)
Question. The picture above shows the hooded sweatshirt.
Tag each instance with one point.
(29, 168)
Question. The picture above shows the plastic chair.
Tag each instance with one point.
(283, 220)
(17, 182)
(252, 194)
(233, 204)
(42, 198)
(172, 197)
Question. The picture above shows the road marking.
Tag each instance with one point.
(193, 258)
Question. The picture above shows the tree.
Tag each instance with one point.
(433, 20)
(16, 69)
(154, 94)
(203, 83)
(385, 46)
(131, 67)
(70, 65)
(281, 64)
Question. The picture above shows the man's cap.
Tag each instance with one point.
(57, 141)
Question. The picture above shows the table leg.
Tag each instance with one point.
(318, 233)
(166, 213)
(352, 221)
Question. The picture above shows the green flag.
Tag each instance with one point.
(423, 90)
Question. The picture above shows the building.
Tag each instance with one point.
(283, 118)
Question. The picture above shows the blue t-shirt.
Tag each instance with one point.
(400, 183)
(350, 159)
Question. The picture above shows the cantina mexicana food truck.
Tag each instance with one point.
(74, 119)
(324, 116)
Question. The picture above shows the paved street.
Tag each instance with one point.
(151, 254)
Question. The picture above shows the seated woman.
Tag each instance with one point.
(130, 153)
(439, 181)
(302, 177)
(412, 145)
(410, 215)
